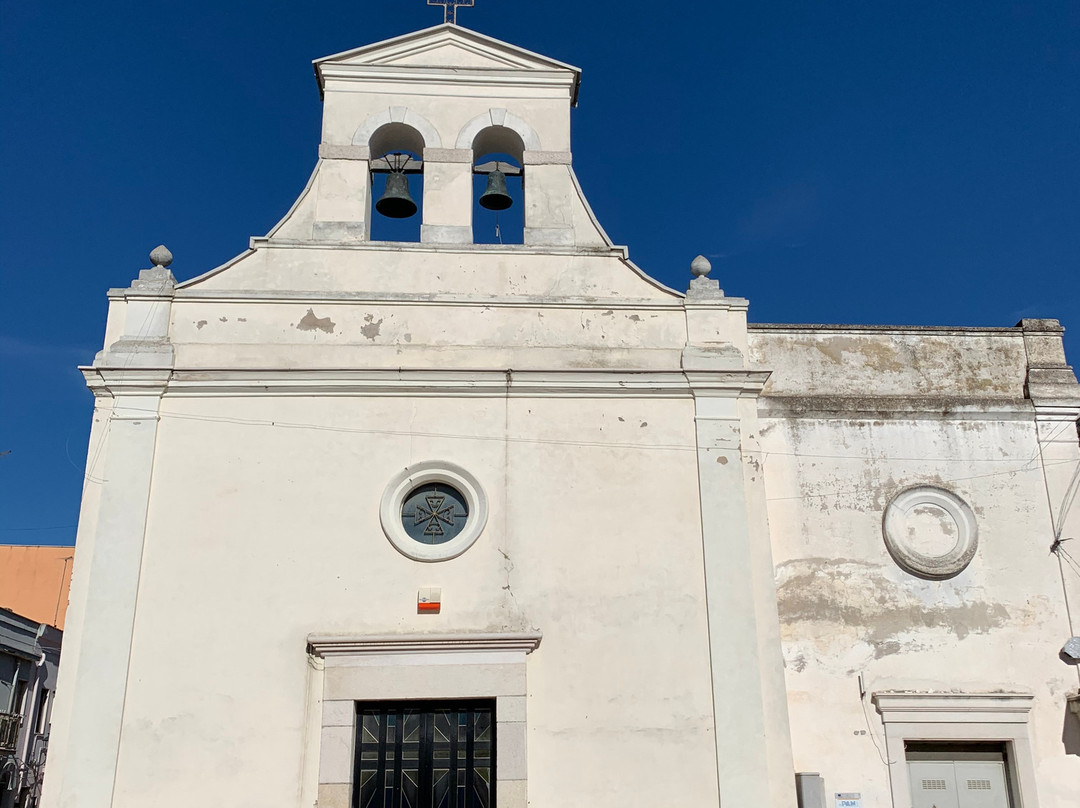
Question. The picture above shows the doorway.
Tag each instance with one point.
(958, 775)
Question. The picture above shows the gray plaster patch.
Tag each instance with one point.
(309, 322)
(371, 330)
(823, 601)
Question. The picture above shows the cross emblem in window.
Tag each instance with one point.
(435, 512)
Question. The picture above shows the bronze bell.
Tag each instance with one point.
(396, 203)
(495, 196)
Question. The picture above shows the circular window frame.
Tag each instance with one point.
(432, 471)
(935, 567)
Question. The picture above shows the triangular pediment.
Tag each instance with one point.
(445, 46)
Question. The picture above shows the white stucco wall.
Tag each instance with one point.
(847, 609)
(233, 581)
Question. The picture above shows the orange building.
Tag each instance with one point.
(34, 581)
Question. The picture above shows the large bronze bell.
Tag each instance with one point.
(495, 196)
(396, 203)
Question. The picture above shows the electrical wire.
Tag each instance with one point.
(1023, 468)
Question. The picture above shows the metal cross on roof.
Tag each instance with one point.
(450, 8)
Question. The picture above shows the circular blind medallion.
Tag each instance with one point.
(930, 532)
(434, 513)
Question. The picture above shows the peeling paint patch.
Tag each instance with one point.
(199, 325)
(371, 330)
(223, 319)
(874, 355)
(309, 322)
(241, 319)
(635, 318)
(834, 610)
(408, 337)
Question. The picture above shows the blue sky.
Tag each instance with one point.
(840, 162)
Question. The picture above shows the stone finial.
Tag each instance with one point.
(700, 266)
(701, 286)
(160, 256)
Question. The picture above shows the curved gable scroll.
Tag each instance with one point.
(403, 115)
(498, 117)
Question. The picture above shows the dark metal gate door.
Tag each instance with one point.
(419, 754)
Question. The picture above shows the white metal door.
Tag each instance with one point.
(981, 784)
(958, 784)
(933, 784)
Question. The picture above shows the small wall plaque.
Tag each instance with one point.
(429, 600)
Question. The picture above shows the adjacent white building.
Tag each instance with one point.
(453, 524)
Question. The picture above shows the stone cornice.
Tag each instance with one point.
(126, 381)
(914, 707)
(243, 296)
(328, 645)
(884, 406)
(353, 78)
(105, 381)
(945, 330)
(1062, 412)
(276, 243)
(498, 55)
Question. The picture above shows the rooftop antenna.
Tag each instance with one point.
(450, 8)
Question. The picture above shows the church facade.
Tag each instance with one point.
(443, 523)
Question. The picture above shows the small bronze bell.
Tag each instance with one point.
(495, 196)
(396, 203)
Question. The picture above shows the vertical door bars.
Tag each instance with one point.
(386, 789)
(399, 741)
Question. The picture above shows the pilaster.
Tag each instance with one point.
(146, 306)
(1055, 394)
(92, 687)
(447, 208)
(549, 198)
(753, 740)
(1051, 382)
(88, 715)
(343, 194)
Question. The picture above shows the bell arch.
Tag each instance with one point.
(395, 161)
(392, 137)
(502, 119)
(401, 115)
(498, 158)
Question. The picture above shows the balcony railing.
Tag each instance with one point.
(9, 731)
